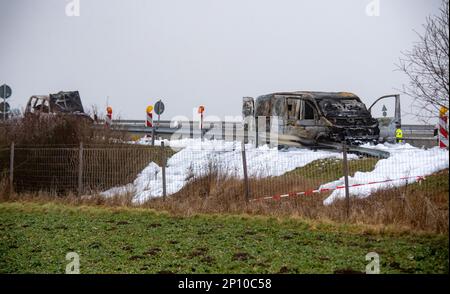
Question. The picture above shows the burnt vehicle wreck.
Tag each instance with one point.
(62, 103)
(314, 117)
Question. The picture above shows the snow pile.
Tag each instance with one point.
(405, 161)
(197, 158)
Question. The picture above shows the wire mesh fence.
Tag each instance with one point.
(82, 169)
(4, 162)
(216, 170)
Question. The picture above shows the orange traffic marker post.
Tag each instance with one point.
(108, 120)
(443, 128)
(149, 122)
(201, 110)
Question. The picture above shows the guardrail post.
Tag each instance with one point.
(11, 169)
(191, 129)
(244, 164)
(80, 169)
(163, 168)
(345, 171)
(256, 131)
(223, 130)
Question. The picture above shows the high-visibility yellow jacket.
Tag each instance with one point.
(399, 135)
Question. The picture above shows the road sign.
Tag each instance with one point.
(4, 107)
(5, 91)
(159, 107)
(384, 110)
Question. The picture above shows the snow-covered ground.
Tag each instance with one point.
(196, 158)
(405, 161)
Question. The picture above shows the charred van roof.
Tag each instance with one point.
(316, 95)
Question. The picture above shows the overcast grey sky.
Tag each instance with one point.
(210, 52)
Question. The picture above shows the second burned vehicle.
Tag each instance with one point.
(62, 103)
(314, 117)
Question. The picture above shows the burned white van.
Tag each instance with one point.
(314, 117)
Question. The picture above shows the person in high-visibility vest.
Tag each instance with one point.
(399, 134)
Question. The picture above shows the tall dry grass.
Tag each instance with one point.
(415, 207)
(422, 207)
(124, 200)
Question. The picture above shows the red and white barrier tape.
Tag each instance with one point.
(322, 190)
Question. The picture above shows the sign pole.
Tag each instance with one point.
(4, 103)
(201, 110)
(153, 136)
(159, 119)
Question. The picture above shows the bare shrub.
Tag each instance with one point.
(427, 66)
(57, 130)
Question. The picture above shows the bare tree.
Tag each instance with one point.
(427, 66)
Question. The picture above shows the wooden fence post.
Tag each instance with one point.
(345, 171)
(244, 164)
(11, 169)
(80, 170)
(163, 168)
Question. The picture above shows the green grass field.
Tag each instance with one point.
(34, 238)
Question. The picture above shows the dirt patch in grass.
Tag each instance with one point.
(152, 251)
(241, 256)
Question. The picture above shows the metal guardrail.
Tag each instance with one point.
(418, 127)
(418, 135)
(167, 127)
(162, 122)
